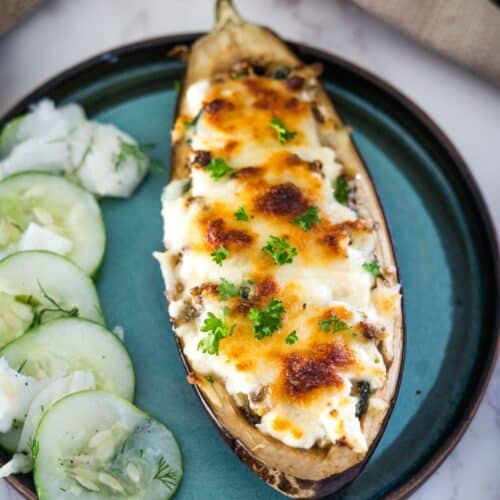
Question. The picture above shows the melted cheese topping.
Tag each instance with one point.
(303, 393)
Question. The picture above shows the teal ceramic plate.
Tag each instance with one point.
(443, 237)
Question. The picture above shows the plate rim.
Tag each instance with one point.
(111, 55)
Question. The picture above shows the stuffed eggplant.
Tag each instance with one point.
(280, 274)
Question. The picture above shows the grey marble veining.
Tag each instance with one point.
(64, 32)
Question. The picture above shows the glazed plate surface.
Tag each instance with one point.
(444, 243)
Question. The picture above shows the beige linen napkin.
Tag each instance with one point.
(12, 11)
(467, 31)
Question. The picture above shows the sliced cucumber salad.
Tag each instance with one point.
(66, 381)
(62, 346)
(40, 211)
(54, 359)
(36, 287)
(95, 445)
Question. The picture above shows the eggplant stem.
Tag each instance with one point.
(225, 12)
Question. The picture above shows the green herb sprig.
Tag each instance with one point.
(138, 153)
(165, 474)
(228, 290)
(217, 329)
(38, 315)
(219, 255)
(334, 322)
(280, 250)
(241, 214)
(284, 135)
(291, 338)
(372, 267)
(268, 320)
(219, 168)
(307, 220)
(342, 190)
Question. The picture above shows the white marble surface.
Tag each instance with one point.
(66, 31)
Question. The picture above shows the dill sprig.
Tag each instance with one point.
(165, 474)
(38, 315)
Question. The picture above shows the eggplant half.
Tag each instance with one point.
(254, 317)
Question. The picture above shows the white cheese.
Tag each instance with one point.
(63, 140)
(108, 169)
(16, 393)
(195, 95)
(37, 237)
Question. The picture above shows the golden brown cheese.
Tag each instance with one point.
(301, 389)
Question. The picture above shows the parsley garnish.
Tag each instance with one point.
(284, 135)
(372, 267)
(241, 214)
(165, 474)
(217, 329)
(342, 190)
(218, 168)
(219, 255)
(226, 290)
(280, 250)
(267, 321)
(376, 360)
(210, 379)
(291, 338)
(307, 219)
(325, 325)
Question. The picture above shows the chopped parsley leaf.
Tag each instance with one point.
(217, 329)
(241, 214)
(219, 255)
(210, 379)
(280, 250)
(268, 320)
(218, 168)
(284, 135)
(372, 267)
(376, 360)
(342, 190)
(226, 290)
(307, 219)
(325, 325)
(291, 338)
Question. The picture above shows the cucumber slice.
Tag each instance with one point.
(60, 387)
(62, 346)
(94, 445)
(36, 287)
(41, 211)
